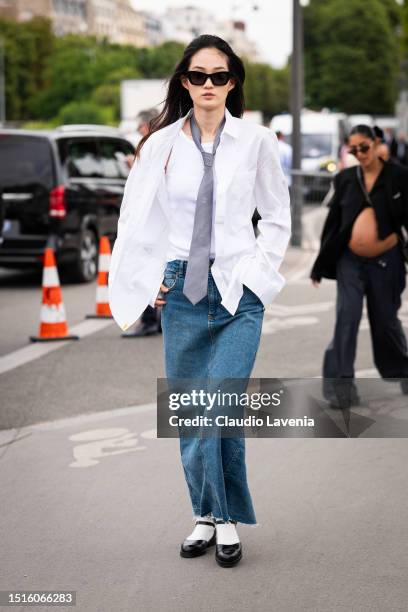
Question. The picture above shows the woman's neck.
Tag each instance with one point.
(374, 167)
(208, 121)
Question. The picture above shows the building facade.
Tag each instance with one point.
(153, 28)
(188, 22)
(119, 22)
(115, 20)
(130, 25)
(234, 33)
(66, 15)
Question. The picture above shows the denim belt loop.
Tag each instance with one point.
(182, 267)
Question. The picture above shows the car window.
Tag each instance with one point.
(116, 156)
(82, 159)
(25, 160)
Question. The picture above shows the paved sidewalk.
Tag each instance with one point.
(97, 505)
(93, 502)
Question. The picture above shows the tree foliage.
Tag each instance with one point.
(266, 89)
(77, 78)
(355, 50)
(28, 47)
(351, 55)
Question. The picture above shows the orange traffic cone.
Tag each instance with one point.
(53, 324)
(103, 310)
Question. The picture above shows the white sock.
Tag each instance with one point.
(227, 534)
(202, 532)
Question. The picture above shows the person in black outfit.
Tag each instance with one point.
(150, 321)
(401, 150)
(391, 142)
(361, 247)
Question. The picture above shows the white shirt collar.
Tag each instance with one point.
(231, 122)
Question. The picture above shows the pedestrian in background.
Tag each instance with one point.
(390, 141)
(382, 148)
(361, 248)
(285, 155)
(346, 160)
(185, 237)
(149, 323)
(401, 150)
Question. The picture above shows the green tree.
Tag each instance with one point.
(351, 55)
(81, 112)
(404, 45)
(266, 88)
(159, 62)
(74, 79)
(394, 12)
(27, 49)
(79, 65)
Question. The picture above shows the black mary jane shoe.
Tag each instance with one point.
(195, 548)
(228, 555)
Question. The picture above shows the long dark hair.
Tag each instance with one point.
(178, 101)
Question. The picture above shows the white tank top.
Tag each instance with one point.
(184, 174)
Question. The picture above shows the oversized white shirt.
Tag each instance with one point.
(184, 173)
(249, 175)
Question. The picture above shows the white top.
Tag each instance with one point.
(184, 174)
(249, 174)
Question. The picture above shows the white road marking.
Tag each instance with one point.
(280, 317)
(283, 310)
(369, 373)
(274, 325)
(150, 434)
(77, 421)
(101, 443)
(36, 350)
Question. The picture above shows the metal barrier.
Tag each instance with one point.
(314, 186)
(307, 188)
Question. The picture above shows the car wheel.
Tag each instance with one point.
(86, 266)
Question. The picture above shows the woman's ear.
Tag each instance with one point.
(184, 81)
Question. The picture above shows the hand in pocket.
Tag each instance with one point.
(160, 301)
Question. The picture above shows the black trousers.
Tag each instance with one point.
(382, 280)
(150, 316)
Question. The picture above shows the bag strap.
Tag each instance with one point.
(363, 187)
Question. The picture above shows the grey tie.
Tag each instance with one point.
(196, 280)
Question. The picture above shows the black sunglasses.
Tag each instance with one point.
(217, 78)
(363, 148)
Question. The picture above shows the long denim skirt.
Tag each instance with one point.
(205, 341)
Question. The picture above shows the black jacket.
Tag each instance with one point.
(390, 202)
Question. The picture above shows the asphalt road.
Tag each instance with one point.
(93, 502)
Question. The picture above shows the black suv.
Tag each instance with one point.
(66, 183)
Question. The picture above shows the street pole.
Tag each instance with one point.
(296, 108)
(2, 83)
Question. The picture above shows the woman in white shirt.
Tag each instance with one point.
(186, 243)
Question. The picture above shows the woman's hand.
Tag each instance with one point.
(315, 283)
(159, 300)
